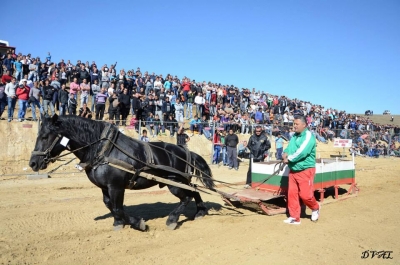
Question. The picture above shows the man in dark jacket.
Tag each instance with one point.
(231, 142)
(124, 102)
(136, 103)
(113, 109)
(167, 108)
(258, 145)
(83, 74)
(63, 99)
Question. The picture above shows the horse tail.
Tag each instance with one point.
(202, 171)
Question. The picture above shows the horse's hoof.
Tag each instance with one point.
(118, 227)
(142, 225)
(198, 217)
(172, 226)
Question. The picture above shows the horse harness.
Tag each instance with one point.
(110, 134)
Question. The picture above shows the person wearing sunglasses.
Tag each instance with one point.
(258, 145)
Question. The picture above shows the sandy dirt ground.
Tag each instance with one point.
(62, 220)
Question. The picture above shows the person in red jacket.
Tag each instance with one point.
(186, 88)
(23, 96)
(6, 78)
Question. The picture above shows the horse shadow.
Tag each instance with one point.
(151, 211)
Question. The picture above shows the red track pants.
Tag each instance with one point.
(301, 185)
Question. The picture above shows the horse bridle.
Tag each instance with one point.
(46, 153)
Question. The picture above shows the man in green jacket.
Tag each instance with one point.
(300, 158)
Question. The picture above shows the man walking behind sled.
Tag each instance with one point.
(300, 158)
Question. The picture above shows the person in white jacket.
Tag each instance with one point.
(199, 100)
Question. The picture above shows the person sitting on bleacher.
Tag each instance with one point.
(195, 125)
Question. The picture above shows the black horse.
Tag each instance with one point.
(95, 143)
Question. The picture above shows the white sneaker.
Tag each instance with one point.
(315, 214)
(291, 221)
(247, 186)
(77, 166)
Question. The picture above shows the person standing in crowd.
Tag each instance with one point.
(23, 96)
(179, 108)
(217, 145)
(48, 92)
(74, 88)
(8, 63)
(181, 137)
(125, 101)
(199, 101)
(279, 146)
(231, 141)
(34, 97)
(101, 98)
(63, 99)
(3, 98)
(18, 69)
(85, 91)
(300, 158)
(258, 144)
(10, 91)
(95, 88)
(167, 108)
(113, 109)
(225, 158)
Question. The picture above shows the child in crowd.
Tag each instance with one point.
(134, 122)
(144, 137)
(72, 105)
(279, 146)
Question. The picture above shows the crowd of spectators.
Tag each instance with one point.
(163, 103)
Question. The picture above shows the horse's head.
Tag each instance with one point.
(47, 144)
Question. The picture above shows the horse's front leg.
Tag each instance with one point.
(106, 199)
(116, 200)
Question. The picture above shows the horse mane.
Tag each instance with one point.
(79, 129)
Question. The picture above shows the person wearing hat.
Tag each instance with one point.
(23, 96)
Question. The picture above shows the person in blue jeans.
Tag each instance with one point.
(18, 69)
(11, 98)
(34, 99)
(279, 146)
(217, 146)
(225, 159)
